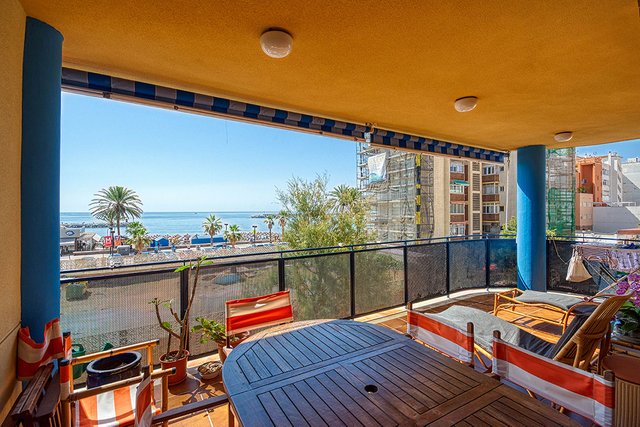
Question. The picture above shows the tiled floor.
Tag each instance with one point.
(194, 389)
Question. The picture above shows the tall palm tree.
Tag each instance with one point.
(343, 198)
(116, 204)
(212, 226)
(282, 219)
(269, 220)
(233, 234)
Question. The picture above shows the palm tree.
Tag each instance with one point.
(116, 204)
(282, 219)
(139, 237)
(269, 220)
(233, 234)
(212, 226)
(344, 198)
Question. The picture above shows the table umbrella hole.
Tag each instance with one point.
(370, 388)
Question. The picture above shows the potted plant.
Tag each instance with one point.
(212, 330)
(627, 325)
(179, 329)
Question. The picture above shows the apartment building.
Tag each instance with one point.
(601, 176)
(631, 180)
(419, 196)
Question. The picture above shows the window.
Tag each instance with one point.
(501, 189)
(490, 188)
(456, 167)
(456, 208)
(456, 188)
(491, 208)
(489, 170)
(457, 230)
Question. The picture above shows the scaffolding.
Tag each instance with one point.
(400, 199)
(561, 191)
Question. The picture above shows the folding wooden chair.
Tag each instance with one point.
(584, 393)
(247, 314)
(446, 339)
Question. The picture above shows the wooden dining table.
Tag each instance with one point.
(343, 372)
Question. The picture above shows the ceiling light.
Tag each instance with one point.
(563, 136)
(276, 43)
(465, 104)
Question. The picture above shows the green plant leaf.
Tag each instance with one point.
(167, 325)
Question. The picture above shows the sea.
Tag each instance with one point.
(171, 223)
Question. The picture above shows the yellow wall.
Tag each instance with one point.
(12, 26)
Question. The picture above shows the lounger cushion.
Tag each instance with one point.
(484, 325)
(563, 302)
(110, 409)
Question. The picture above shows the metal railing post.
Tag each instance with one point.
(352, 281)
(487, 263)
(281, 274)
(448, 282)
(405, 258)
(184, 296)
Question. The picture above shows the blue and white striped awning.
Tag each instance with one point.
(106, 85)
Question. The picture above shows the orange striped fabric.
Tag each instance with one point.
(451, 341)
(582, 392)
(32, 355)
(111, 409)
(252, 313)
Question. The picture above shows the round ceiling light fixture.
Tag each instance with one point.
(563, 136)
(465, 104)
(276, 43)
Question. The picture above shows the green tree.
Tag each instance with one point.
(212, 225)
(116, 204)
(321, 284)
(510, 228)
(138, 236)
(282, 219)
(345, 198)
(233, 234)
(270, 220)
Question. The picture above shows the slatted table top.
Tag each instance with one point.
(342, 372)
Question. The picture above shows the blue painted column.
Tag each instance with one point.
(40, 176)
(531, 236)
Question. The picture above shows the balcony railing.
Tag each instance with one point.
(337, 282)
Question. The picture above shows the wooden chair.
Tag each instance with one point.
(446, 339)
(584, 393)
(247, 314)
(39, 402)
(589, 330)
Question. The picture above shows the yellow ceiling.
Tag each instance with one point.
(537, 67)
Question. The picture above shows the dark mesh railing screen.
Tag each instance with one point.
(503, 270)
(379, 280)
(218, 284)
(427, 270)
(319, 286)
(117, 310)
(467, 265)
(558, 256)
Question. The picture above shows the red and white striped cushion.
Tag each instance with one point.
(582, 392)
(252, 313)
(32, 355)
(113, 409)
(444, 338)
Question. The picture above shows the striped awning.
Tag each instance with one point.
(460, 182)
(105, 85)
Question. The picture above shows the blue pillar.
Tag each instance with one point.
(40, 176)
(531, 237)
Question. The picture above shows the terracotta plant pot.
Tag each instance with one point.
(221, 353)
(180, 365)
(237, 340)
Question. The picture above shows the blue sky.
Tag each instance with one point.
(185, 162)
(626, 149)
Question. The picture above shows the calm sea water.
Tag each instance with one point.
(176, 222)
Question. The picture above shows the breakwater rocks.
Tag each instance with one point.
(89, 224)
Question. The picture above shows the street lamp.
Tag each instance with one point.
(254, 233)
(225, 234)
(113, 240)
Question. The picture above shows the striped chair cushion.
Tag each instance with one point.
(113, 409)
(445, 338)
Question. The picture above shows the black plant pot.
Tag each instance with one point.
(113, 368)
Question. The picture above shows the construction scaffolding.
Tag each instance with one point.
(561, 191)
(398, 187)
